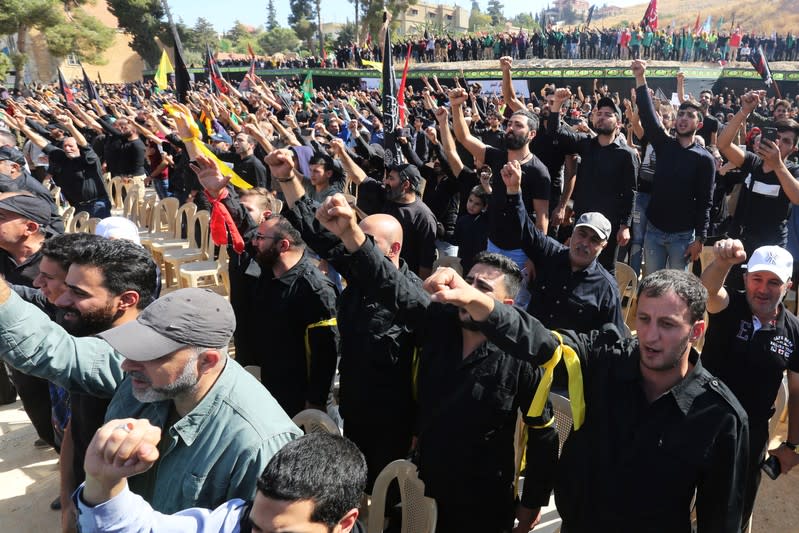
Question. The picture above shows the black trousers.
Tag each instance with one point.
(380, 444)
(35, 395)
(490, 512)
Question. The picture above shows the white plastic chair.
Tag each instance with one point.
(419, 512)
(315, 421)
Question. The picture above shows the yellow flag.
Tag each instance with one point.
(164, 68)
(374, 64)
(226, 171)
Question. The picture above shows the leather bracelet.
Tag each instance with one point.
(285, 180)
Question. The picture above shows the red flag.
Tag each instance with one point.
(65, 89)
(249, 78)
(651, 16)
(401, 95)
(368, 39)
(249, 49)
(758, 60)
(324, 54)
(214, 74)
(697, 24)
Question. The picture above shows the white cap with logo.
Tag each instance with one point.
(772, 259)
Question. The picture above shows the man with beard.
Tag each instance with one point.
(520, 131)
(605, 179)
(292, 307)
(651, 427)
(170, 365)
(469, 389)
(78, 171)
(23, 218)
(684, 176)
(399, 196)
(107, 283)
(245, 164)
(751, 341)
(571, 290)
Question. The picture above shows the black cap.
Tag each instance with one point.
(33, 208)
(408, 172)
(608, 102)
(8, 153)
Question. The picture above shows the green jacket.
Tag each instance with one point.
(214, 453)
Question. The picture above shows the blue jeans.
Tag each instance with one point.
(162, 188)
(662, 249)
(638, 230)
(96, 209)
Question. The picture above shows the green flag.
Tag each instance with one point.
(307, 89)
(164, 68)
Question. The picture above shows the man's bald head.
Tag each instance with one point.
(387, 234)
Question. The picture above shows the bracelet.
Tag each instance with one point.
(284, 180)
(188, 139)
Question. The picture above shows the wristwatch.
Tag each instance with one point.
(791, 446)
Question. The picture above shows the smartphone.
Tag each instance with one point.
(770, 134)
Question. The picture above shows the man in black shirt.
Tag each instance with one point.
(710, 125)
(653, 430)
(571, 290)
(245, 164)
(684, 176)
(766, 197)
(751, 341)
(124, 152)
(469, 390)
(605, 180)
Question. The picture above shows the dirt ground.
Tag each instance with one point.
(29, 482)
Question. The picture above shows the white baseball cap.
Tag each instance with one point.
(118, 228)
(772, 259)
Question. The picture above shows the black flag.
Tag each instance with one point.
(389, 102)
(182, 83)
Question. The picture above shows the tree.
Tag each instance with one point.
(143, 21)
(202, 33)
(495, 8)
(64, 32)
(478, 19)
(279, 40)
(373, 14)
(271, 16)
(346, 35)
(5, 66)
(300, 17)
(526, 21)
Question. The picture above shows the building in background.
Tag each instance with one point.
(122, 63)
(435, 17)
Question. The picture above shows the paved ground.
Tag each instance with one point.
(29, 482)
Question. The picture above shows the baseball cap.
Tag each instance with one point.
(772, 259)
(221, 137)
(608, 102)
(9, 153)
(33, 208)
(186, 317)
(118, 228)
(408, 172)
(597, 222)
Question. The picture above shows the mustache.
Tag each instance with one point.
(139, 376)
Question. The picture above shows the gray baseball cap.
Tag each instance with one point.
(186, 317)
(597, 222)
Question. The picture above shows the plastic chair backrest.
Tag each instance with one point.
(184, 215)
(627, 281)
(66, 216)
(116, 192)
(80, 223)
(93, 224)
(315, 421)
(779, 406)
(563, 417)
(201, 237)
(130, 208)
(166, 212)
(419, 513)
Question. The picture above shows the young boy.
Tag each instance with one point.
(471, 229)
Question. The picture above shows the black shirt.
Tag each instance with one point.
(123, 156)
(536, 185)
(709, 126)
(761, 215)
(682, 188)
(606, 175)
(419, 225)
(560, 297)
(20, 274)
(250, 169)
(649, 457)
(80, 178)
(471, 237)
(751, 363)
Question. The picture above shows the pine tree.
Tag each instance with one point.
(271, 16)
(495, 8)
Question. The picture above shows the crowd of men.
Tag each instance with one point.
(333, 270)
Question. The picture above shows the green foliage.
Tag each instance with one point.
(202, 33)
(143, 21)
(479, 20)
(84, 35)
(5, 66)
(279, 40)
(271, 16)
(495, 9)
(373, 14)
(304, 29)
(346, 35)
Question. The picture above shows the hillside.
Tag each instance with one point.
(758, 15)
